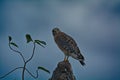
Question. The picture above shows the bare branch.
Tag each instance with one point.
(35, 77)
(10, 72)
(32, 53)
(17, 52)
(28, 61)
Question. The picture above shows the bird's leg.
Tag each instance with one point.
(65, 59)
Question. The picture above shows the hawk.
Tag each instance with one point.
(67, 45)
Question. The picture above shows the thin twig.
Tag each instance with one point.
(35, 77)
(32, 74)
(32, 53)
(17, 52)
(28, 60)
(10, 72)
(23, 72)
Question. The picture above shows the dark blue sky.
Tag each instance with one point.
(94, 24)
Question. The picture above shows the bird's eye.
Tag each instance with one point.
(54, 32)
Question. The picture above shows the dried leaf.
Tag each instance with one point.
(42, 68)
(28, 38)
(14, 44)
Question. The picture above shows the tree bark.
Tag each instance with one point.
(63, 72)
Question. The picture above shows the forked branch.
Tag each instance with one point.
(29, 39)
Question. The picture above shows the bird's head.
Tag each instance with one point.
(55, 31)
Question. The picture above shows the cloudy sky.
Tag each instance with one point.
(94, 24)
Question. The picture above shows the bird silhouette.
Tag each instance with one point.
(67, 45)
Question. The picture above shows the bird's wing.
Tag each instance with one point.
(65, 42)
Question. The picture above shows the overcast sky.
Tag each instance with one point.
(94, 24)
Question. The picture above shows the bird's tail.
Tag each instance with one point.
(82, 63)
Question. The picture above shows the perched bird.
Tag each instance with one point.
(68, 45)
